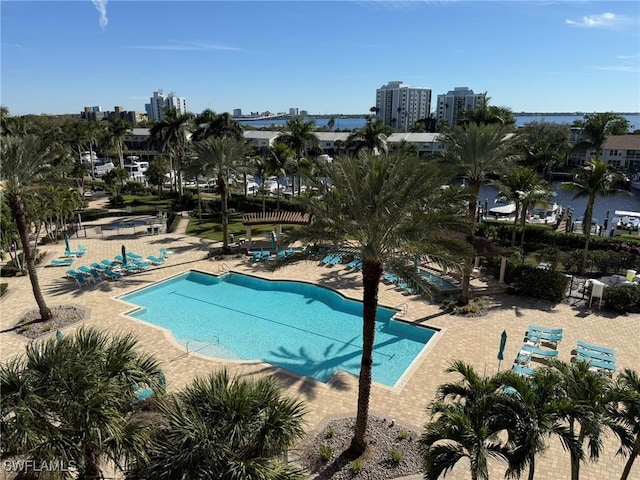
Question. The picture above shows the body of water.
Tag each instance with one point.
(359, 122)
(302, 327)
(628, 200)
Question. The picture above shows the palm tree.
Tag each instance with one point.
(116, 131)
(523, 187)
(299, 135)
(624, 411)
(24, 162)
(591, 182)
(219, 155)
(278, 158)
(157, 173)
(477, 151)
(224, 427)
(599, 126)
(71, 399)
(466, 418)
(171, 133)
(588, 393)
(542, 409)
(372, 137)
(388, 209)
(487, 114)
(210, 124)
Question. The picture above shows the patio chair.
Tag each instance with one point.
(597, 364)
(69, 253)
(266, 255)
(71, 273)
(282, 255)
(335, 260)
(129, 268)
(595, 355)
(142, 265)
(602, 350)
(326, 260)
(134, 256)
(110, 264)
(550, 331)
(354, 263)
(154, 260)
(165, 253)
(65, 262)
(81, 280)
(522, 370)
(97, 266)
(119, 259)
(82, 248)
(538, 336)
(390, 277)
(257, 255)
(112, 275)
(539, 352)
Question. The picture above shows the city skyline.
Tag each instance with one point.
(323, 57)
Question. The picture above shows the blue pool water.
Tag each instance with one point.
(305, 328)
(125, 224)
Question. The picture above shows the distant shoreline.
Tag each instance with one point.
(363, 115)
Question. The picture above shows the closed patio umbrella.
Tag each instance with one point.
(503, 342)
(66, 242)
(124, 254)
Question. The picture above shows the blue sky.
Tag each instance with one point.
(325, 57)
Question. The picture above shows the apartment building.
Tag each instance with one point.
(401, 106)
(158, 102)
(453, 103)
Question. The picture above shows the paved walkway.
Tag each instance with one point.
(474, 340)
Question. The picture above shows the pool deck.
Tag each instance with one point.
(474, 340)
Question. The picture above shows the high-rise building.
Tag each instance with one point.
(157, 104)
(401, 106)
(237, 112)
(452, 104)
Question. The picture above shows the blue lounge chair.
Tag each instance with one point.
(69, 253)
(390, 277)
(165, 253)
(326, 260)
(354, 263)
(84, 269)
(335, 260)
(607, 366)
(81, 280)
(282, 255)
(97, 266)
(266, 255)
(97, 275)
(141, 264)
(405, 287)
(110, 264)
(135, 256)
(290, 252)
(522, 370)
(154, 260)
(82, 249)
(538, 352)
(596, 356)
(550, 331)
(62, 262)
(257, 255)
(595, 348)
(130, 268)
(71, 273)
(119, 259)
(537, 337)
(112, 275)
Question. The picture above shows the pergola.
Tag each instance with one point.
(273, 218)
(482, 247)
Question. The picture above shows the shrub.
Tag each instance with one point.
(326, 452)
(356, 466)
(173, 220)
(538, 283)
(396, 456)
(402, 435)
(330, 433)
(9, 270)
(3, 289)
(622, 298)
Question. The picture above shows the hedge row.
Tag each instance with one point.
(539, 283)
(622, 298)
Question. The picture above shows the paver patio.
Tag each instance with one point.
(474, 340)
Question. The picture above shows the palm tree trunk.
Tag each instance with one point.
(634, 453)
(515, 227)
(575, 460)
(224, 212)
(586, 228)
(523, 222)
(532, 467)
(474, 190)
(15, 203)
(92, 466)
(371, 274)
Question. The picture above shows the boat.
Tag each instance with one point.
(547, 215)
(626, 223)
(595, 227)
(505, 212)
(635, 181)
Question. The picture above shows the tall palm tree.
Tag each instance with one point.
(299, 135)
(387, 209)
(172, 134)
(116, 131)
(71, 399)
(589, 393)
(591, 182)
(486, 114)
(371, 138)
(219, 156)
(466, 418)
(624, 411)
(477, 151)
(599, 126)
(542, 410)
(522, 187)
(211, 124)
(277, 160)
(224, 427)
(23, 163)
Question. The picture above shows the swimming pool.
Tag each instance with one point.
(439, 284)
(125, 224)
(298, 326)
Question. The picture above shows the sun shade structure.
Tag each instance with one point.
(274, 218)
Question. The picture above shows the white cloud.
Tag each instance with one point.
(187, 46)
(603, 20)
(628, 57)
(101, 6)
(617, 68)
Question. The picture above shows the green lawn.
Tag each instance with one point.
(146, 204)
(211, 228)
